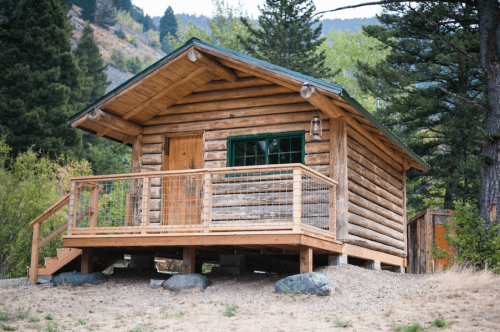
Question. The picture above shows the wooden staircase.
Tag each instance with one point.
(53, 264)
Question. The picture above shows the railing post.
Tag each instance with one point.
(332, 216)
(297, 199)
(72, 207)
(94, 206)
(207, 202)
(35, 252)
(145, 204)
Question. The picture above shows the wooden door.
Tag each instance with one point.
(183, 194)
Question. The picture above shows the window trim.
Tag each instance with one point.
(230, 140)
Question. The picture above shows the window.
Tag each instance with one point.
(285, 148)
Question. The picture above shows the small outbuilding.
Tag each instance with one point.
(233, 155)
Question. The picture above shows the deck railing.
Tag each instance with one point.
(271, 197)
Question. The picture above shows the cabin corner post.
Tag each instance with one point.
(136, 154)
(338, 172)
(297, 199)
(35, 253)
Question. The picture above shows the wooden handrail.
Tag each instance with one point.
(51, 210)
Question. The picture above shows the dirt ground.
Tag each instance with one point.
(366, 301)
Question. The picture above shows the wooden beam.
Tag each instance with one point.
(210, 63)
(115, 122)
(87, 263)
(136, 154)
(242, 82)
(163, 93)
(79, 121)
(51, 210)
(188, 259)
(35, 247)
(338, 172)
(53, 235)
(306, 259)
(103, 132)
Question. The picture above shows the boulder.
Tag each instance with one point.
(307, 283)
(180, 282)
(78, 279)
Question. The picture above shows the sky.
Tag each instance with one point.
(204, 7)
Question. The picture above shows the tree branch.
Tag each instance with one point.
(460, 98)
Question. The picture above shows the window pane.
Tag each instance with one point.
(250, 148)
(239, 148)
(284, 158)
(250, 161)
(273, 146)
(297, 144)
(261, 160)
(261, 148)
(285, 145)
(239, 161)
(272, 159)
(296, 158)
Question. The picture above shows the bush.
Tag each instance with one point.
(131, 64)
(475, 241)
(120, 34)
(134, 64)
(134, 41)
(119, 59)
(125, 19)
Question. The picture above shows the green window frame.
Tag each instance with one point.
(266, 149)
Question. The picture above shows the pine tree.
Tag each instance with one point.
(287, 38)
(40, 78)
(105, 13)
(168, 24)
(88, 8)
(148, 23)
(91, 65)
(125, 5)
(437, 126)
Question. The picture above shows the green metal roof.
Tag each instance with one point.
(334, 88)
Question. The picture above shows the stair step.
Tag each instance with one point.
(64, 256)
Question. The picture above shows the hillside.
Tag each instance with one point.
(107, 41)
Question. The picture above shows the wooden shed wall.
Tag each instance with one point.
(376, 200)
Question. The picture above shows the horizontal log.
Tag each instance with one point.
(211, 63)
(360, 201)
(288, 98)
(389, 165)
(362, 192)
(323, 169)
(365, 243)
(152, 159)
(352, 133)
(220, 145)
(354, 168)
(215, 155)
(155, 192)
(317, 147)
(214, 164)
(151, 168)
(356, 157)
(375, 226)
(235, 112)
(240, 83)
(115, 122)
(255, 121)
(233, 94)
(268, 198)
(374, 236)
(151, 139)
(317, 159)
(155, 204)
(281, 212)
(252, 187)
(365, 183)
(152, 148)
(154, 216)
(269, 129)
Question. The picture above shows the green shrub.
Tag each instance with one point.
(340, 323)
(120, 34)
(230, 310)
(119, 59)
(134, 64)
(125, 19)
(154, 44)
(440, 322)
(415, 327)
(476, 241)
(134, 41)
(10, 328)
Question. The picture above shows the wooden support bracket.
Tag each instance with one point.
(114, 122)
(213, 65)
(306, 259)
(188, 260)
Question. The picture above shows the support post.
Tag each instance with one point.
(207, 202)
(87, 262)
(306, 259)
(373, 265)
(297, 199)
(35, 253)
(145, 203)
(94, 206)
(188, 260)
(332, 214)
(338, 172)
(336, 260)
(72, 207)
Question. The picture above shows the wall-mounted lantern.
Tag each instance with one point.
(316, 129)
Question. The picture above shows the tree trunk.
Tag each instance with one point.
(489, 30)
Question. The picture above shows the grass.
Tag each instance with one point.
(230, 310)
(22, 314)
(4, 316)
(440, 322)
(415, 327)
(81, 322)
(51, 328)
(49, 317)
(340, 323)
(39, 311)
(180, 314)
(137, 329)
(10, 328)
(34, 319)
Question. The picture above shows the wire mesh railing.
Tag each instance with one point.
(271, 197)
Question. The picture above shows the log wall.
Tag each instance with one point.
(376, 201)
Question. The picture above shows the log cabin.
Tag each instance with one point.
(232, 155)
